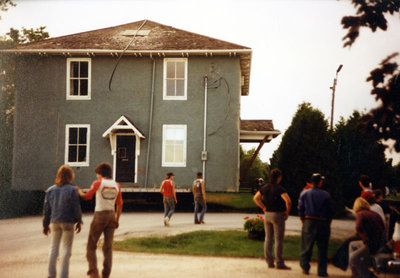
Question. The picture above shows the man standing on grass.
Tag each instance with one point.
(105, 219)
(315, 211)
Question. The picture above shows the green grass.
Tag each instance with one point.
(214, 243)
(234, 201)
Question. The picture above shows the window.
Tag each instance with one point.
(174, 146)
(175, 78)
(78, 78)
(77, 138)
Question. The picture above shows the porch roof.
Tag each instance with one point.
(123, 123)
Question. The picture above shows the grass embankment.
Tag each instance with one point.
(238, 202)
(214, 243)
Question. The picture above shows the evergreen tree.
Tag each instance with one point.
(359, 152)
(307, 148)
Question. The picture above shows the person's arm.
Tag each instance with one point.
(119, 203)
(173, 191)
(301, 208)
(162, 187)
(203, 189)
(77, 210)
(259, 203)
(90, 193)
(288, 202)
(46, 215)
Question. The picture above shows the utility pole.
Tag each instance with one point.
(333, 88)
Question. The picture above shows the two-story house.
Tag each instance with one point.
(145, 97)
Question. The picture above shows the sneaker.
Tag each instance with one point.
(166, 221)
(202, 222)
(196, 222)
(271, 265)
(305, 271)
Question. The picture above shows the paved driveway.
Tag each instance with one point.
(24, 249)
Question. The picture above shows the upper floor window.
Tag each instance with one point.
(174, 146)
(78, 78)
(175, 78)
(77, 144)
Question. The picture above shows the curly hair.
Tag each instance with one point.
(104, 169)
(65, 175)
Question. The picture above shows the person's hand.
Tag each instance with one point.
(286, 215)
(78, 227)
(176, 201)
(116, 224)
(46, 230)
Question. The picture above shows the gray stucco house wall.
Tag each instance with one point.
(43, 114)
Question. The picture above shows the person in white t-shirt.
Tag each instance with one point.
(105, 219)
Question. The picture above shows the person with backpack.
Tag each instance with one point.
(199, 195)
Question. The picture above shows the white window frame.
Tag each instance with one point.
(184, 97)
(72, 97)
(83, 163)
(173, 164)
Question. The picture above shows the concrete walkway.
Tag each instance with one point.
(24, 249)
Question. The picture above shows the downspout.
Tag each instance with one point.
(204, 152)
(150, 120)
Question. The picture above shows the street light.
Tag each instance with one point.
(333, 88)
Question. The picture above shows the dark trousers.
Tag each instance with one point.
(315, 231)
(103, 222)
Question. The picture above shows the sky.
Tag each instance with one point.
(297, 46)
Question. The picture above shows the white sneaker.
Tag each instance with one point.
(166, 221)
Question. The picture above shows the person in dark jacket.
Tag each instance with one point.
(315, 211)
(62, 211)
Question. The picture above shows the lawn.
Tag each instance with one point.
(232, 201)
(214, 243)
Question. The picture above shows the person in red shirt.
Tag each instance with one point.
(167, 188)
(105, 219)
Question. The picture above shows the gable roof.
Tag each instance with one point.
(123, 123)
(140, 38)
(253, 131)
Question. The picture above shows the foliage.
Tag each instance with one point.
(255, 224)
(255, 227)
(5, 4)
(215, 243)
(383, 120)
(359, 152)
(28, 35)
(231, 201)
(306, 148)
(257, 170)
(370, 14)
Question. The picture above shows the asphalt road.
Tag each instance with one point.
(24, 249)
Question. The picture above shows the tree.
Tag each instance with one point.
(5, 4)
(258, 169)
(28, 35)
(359, 152)
(384, 120)
(306, 148)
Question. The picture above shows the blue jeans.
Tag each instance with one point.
(197, 204)
(169, 206)
(60, 232)
(315, 231)
(358, 251)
